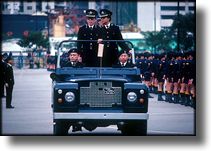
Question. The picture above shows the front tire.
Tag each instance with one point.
(135, 128)
(61, 128)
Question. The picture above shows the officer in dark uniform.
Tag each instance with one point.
(192, 78)
(73, 59)
(184, 79)
(154, 74)
(147, 70)
(189, 73)
(162, 68)
(142, 65)
(3, 65)
(177, 77)
(110, 32)
(9, 81)
(123, 61)
(150, 75)
(173, 79)
(170, 77)
(90, 31)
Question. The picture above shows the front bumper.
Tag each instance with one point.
(100, 116)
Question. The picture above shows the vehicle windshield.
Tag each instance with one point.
(63, 47)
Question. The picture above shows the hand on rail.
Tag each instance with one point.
(99, 41)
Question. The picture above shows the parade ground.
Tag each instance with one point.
(32, 114)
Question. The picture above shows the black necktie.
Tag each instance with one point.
(73, 64)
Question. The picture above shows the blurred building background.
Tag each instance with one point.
(147, 16)
(61, 19)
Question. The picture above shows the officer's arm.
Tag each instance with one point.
(7, 76)
(79, 44)
(123, 45)
(100, 36)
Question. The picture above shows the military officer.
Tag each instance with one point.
(9, 82)
(154, 73)
(3, 65)
(162, 68)
(189, 94)
(173, 79)
(123, 61)
(192, 78)
(150, 73)
(110, 32)
(142, 65)
(90, 31)
(177, 77)
(73, 60)
(170, 77)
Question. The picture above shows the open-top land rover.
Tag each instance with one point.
(92, 97)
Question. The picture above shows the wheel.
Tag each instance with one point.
(135, 128)
(61, 128)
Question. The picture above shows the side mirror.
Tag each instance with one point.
(53, 76)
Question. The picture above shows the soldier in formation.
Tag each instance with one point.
(161, 75)
(171, 74)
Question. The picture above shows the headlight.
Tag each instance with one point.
(131, 96)
(69, 96)
(141, 91)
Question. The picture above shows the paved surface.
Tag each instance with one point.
(33, 115)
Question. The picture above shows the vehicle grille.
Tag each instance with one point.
(100, 94)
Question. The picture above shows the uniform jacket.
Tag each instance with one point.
(89, 50)
(127, 65)
(76, 65)
(162, 69)
(9, 76)
(186, 69)
(173, 70)
(3, 66)
(2, 79)
(142, 65)
(110, 53)
(152, 66)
